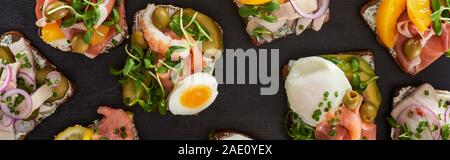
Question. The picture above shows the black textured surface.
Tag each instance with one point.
(237, 106)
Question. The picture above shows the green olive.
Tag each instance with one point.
(368, 112)
(412, 49)
(78, 44)
(138, 38)
(6, 55)
(59, 91)
(60, 14)
(128, 92)
(161, 18)
(352, 100)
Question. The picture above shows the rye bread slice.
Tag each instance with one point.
(96, 123)
(47, 109)
(367, 55)
(368, 12)
(401, 93)
(113, 43)
(289, 30)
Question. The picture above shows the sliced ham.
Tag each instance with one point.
(96, 50)
(105, 9)
(323, 132)
(434, 47)
(113, 121)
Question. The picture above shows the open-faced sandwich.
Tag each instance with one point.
(115, 125)
(171, 60)
(332, 97)
(31, 88)
(267, 20)
(414, 31)
(229, 134)
(88, 27)
(420, 113)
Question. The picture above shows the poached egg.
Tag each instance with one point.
(314, 84)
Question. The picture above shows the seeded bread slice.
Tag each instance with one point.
(47, 109)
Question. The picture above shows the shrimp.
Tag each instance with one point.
(157, 40)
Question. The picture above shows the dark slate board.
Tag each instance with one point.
(237, 106)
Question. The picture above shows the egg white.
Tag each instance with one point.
(175, 105)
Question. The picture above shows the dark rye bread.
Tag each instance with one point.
(95, 125)
(401, 93)
(365, 54)
(111, 44)
(368, 13)
(255, 42)
(14, 36)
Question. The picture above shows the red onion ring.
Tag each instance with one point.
(28, 79)
(24, 112)
(403, 29)
(7, 79)
(6, 120)
(55, 78)
(323, 8)
(427, 111)
(24, 126)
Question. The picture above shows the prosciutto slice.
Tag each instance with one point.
(433, 48)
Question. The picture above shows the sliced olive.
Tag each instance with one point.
(368, 112)
(352, 100)
(412, 49)
(59, 91)
(128, 92)
(138, 38)
(215, 32)
(60, 14)
(161, 18)
(6, 55)
(78, 45)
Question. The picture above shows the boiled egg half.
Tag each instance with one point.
(315, 86)
(193, 94)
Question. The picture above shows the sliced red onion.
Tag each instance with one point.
(446, 114)
(55, 78)
(6, 120)
(28, 79)
(403, 29)
(426, 111)
(322, 10)
(25, 110)
(24, 126)
(7, 79)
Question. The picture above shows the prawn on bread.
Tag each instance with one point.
(171, 60)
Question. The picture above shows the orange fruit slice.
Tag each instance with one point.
(386, 20)
(419, 12)
(52, 32)
(254, 2)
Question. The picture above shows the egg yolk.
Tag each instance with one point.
(196, 96)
